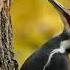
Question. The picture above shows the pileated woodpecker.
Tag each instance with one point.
(54, 54)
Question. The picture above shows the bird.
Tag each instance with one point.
(53, 55)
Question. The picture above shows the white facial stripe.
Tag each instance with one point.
(61, 49)
(65, 44)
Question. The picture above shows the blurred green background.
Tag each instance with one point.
(34, 22)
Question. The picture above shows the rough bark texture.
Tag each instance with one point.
(7, 61)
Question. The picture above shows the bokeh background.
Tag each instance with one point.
(34, 22)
